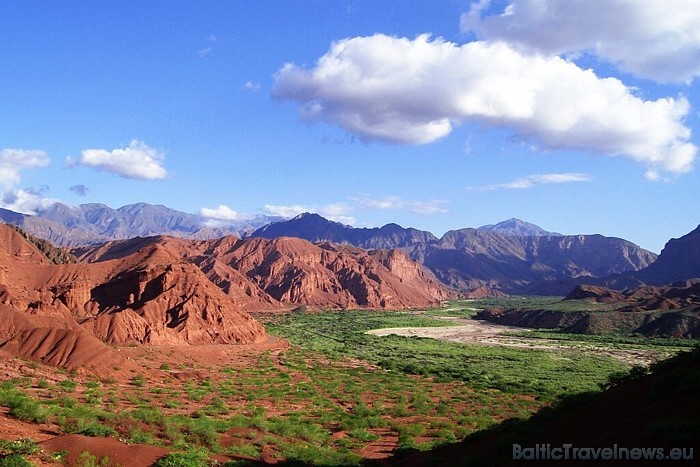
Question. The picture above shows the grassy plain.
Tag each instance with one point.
(334, 396)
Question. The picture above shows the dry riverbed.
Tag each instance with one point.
(471, 331)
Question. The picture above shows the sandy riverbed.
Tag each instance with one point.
(471, 331)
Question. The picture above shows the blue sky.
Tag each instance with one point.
(579, 116)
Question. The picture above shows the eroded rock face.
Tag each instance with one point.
(169, 304)
(261, 274)
(685, 294)
(327, 275)
(64, 314)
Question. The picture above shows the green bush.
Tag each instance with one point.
(22, 406)
(193, 458)
(14, 460)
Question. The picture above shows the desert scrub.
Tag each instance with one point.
(22, 406)
(12, 452)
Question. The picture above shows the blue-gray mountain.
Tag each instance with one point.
(315, 228)
(97, 223)
(517, 227)
(496, 257)
(678, 261)
(511, 257)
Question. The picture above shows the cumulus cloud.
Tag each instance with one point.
(12, 161)
(222, 212)
(531, 181)
(415, 91)
(25, 201)
(655, 39)
(80, 190)
(136, 161)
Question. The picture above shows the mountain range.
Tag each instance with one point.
(513, 257)
(96, 223)
(490, 259)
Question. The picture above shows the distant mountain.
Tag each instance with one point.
(315, 228)
(678, 261)
(519, 228)
(546, 265)
(95, 223)
(513, 256)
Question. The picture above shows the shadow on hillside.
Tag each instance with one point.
(657, 410)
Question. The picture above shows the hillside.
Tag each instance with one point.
(678, 261)
(519, 228)
(263, 274)
(64, 314)
(658, 410)
(513, 256)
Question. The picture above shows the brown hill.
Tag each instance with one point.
(165, 290)
(669, 311)
(261, 274)
(679, 295)
(330, 276)
(62, 314)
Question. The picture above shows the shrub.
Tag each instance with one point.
(22, 406)
(14, 460)
(68, 385)
(193, 458)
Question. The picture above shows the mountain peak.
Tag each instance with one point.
(315, 228)
(518, 227)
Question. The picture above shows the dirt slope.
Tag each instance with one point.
(63, 314)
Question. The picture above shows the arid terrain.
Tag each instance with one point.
(170, 351)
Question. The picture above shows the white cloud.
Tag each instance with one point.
(416, 91)
(386, 202)
(394, 203)
(656, 39)
(434, 206)
(25, 201)
(12, 161)
(222, 212)
(136, 161)
(205, 51)
(286, 210)
(531, 181)
(251, 86)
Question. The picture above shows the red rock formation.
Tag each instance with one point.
(331, 276)
(62, 314)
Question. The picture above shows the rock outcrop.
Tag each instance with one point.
(64, 314)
